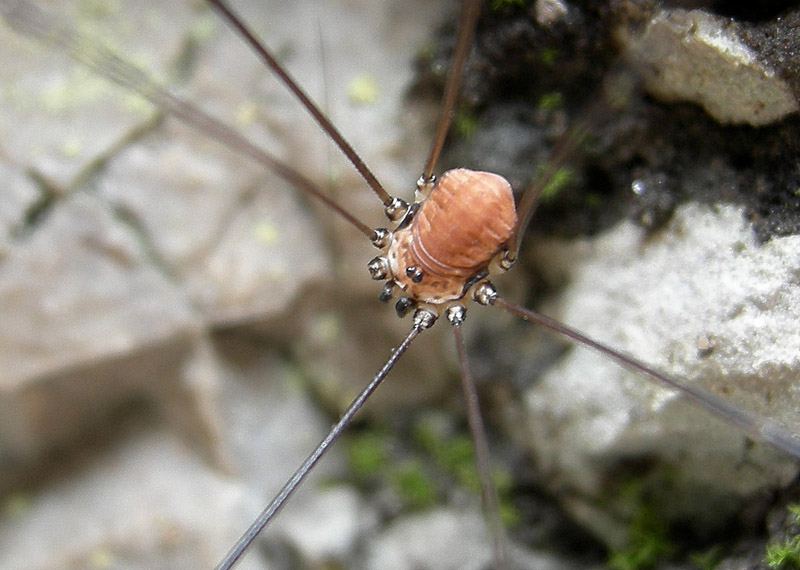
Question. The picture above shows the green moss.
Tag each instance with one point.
(648, 535)
(550, 101)
(786, 553)
(327, 328)
(363, 89)
(367, 454)
(98, 9)
(16, 505)
(425, 434)
(436, 462)
(497, 4)
(509, 513)
(708, 559)
(548, 56)
(455, 456)
(101, 558)
(648, 543)
(465, 124)
(560, 179)
(414, 486)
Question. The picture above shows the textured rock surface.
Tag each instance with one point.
(460, 542)
(691, 55)
(166, 306)
(686, 273)
(703, 277)
(129, 242)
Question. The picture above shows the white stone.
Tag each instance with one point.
(653, 297)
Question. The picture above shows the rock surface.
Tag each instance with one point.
(134, 250)
(180, 327)
(691, 55)
(703, 278)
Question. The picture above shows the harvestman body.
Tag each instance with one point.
(444, 244)
(440, 252)
(463, 227)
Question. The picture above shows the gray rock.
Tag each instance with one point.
(88, 324)
(328, 527)
(62, 118)
(154, 240)
(19, 196)
(214, 267)
(146, 499)
(691, 55)
(703, 278)
(146, 503)
(448, 538)
(238, 243)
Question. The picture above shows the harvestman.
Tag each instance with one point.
(442, 249)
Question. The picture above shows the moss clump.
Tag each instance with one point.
(708, 559)
(455, 456)
(786, 553)
(498, 4)
(465, 123)
(648, 534)
(550, 101)
(548, 56)
(367, 453)
(424, 470)
(562, 178)
(414, 486)
(649, 543)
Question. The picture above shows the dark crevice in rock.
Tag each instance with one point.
(528, 84)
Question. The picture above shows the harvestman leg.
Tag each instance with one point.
(28, 19)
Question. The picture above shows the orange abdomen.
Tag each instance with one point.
(464, 222)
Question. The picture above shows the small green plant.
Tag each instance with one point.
(648, 544)
(648, 535)
(786, 553)
(367, 453)
(708, 559)
(548, 56)
(414, 486)
(455, 456)
(465, 123)
(560, 180)
(497, 4)
(550, 101)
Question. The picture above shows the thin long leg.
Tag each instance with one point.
(30, 20)
(530, 197)
(617, 88)
(323, 121)
(757, 428)
(491, 504)
(294, 481)
(470, 11)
